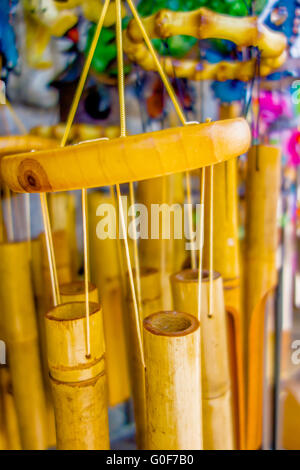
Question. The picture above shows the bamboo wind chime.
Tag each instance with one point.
(182, 394)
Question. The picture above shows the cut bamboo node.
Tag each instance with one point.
(173, 381)
(171, 324)
(78, 383)
(65, 329)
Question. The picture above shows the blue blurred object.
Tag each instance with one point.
(230, 90)
(7, 36)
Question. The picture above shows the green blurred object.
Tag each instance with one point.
(176, 46)
(106, 50)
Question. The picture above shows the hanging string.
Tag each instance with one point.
(50, 250)
(201, 240)
(136, 299)
(64, 140)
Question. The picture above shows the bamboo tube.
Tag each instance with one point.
(173, 381)
(63, 264)
(78, 382)
(40, 302)
(20, 332)
(165, 255)
(62, 211)
(75, 292)
(291, 415)
(9, 416)
(151, 302)
(226, 261)
(262, 192)
(105, 273)
(216, 387)
(114, 161)
(204, 23)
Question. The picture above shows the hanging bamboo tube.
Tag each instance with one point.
(44, 301)
(75, 292)
(173, 381)
(20, 332)
(63, 264)
(165, 255)
(262, 192)
(9, 419)
(62, 211)
(105, 273)
(151, 302)
(78, 382)
(216, 387)
(226, 261)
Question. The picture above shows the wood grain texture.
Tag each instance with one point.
(173, 381)
(133, 158)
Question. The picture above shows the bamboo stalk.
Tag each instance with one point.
(216, 387)
(262, 193)
(75, 292)
(165, 255)
(105, 273)
(226, 261)
(44, 301)
(173, 381)
(20, 332)
(151, 302)
(62, 211)
(78, 382)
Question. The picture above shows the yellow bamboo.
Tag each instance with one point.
(20, 332)
(78, 382)
(216, 387)
(105, 273)
(262, 193)
(226, 261)
(173, 381)
(151, 302)
(9, 421)
(119, 160)
(62, 212)
(204, 23)
(165, 255)
(291, 414)
(75, 292)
